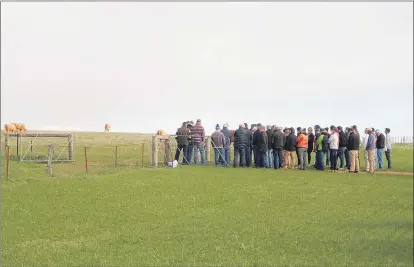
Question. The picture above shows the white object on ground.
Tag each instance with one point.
(173, 164)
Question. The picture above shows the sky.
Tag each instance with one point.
(142, 67)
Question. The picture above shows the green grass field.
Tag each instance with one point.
(201, 215)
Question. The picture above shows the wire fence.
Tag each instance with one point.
(23, 159)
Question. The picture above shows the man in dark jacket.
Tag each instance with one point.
(269, 153)
(256, 149)
(249, 137)
(327, 151)
(311, 140)
(380, 145)
(342, 147)
(298, 131)
(353, 148)
(290, 149)
(277, 146)
(347, 159)
(183, 135)
(190, 148)
(262, 146)
(228, 136)
(240, 142)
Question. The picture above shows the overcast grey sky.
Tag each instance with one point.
(146, 66)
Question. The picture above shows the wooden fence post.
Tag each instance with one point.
(70, 146)
(31, 145)
(154, 148)
(86, 161)
(17, 145)
(116, 156)
(167, 151)
(7, 161)
(49, 160)
(208, 149)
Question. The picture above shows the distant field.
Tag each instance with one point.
(200, 215)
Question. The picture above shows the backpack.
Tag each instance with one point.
(325, 143)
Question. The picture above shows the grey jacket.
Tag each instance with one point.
(218, 139)
(371, 143)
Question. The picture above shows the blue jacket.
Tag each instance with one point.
(371, 143)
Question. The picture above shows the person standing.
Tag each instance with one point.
(190, 149)
(370, 148)
(347, 158)
(341, 148)
(249, 137)
(277, 146)
(380, 144)
(311, 140)
(319, 149)
(290, 149)
(298, 131)
(365, 142)
(182, 138)
(353, 148)
(240, 142)
(302, 145)
(197, 138)
(333, 147)
(227, 146)
(218, 141)
(388, 146)
(262, 147)
(256, 153)
(269, 153)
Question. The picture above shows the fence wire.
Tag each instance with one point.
(103, 157)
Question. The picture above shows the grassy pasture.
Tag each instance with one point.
(201, 215)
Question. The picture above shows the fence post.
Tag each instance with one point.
(116, 156)
(86, 161)
(17, 145)
(208, 149)
(31, 145)
(49, 160)
(167, 150)
(7, 161)
(154, 154)
(70, 146)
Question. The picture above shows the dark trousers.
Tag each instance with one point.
(319, 161)
(248, 155)
(334, 158)
(239, 152)
(388, 156)
(256, 155)
(184, 148)
(262, 159)
(341, 156)
(309, 157)
(278, 158)
(347, 159)
(328, 157)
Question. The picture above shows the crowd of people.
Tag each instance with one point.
(272, 147)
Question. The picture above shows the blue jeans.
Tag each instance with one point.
(218, 155)
(278, 158)
(227, 156)
(334, 159)
(380, 160)
(184, 148)
(189, 155)
(319, 160)
(341, 156)
(199, 147)
(262, 160)
(239, 152)
(248, 155)
(270, 158)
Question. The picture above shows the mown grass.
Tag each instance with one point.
(205, 216)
